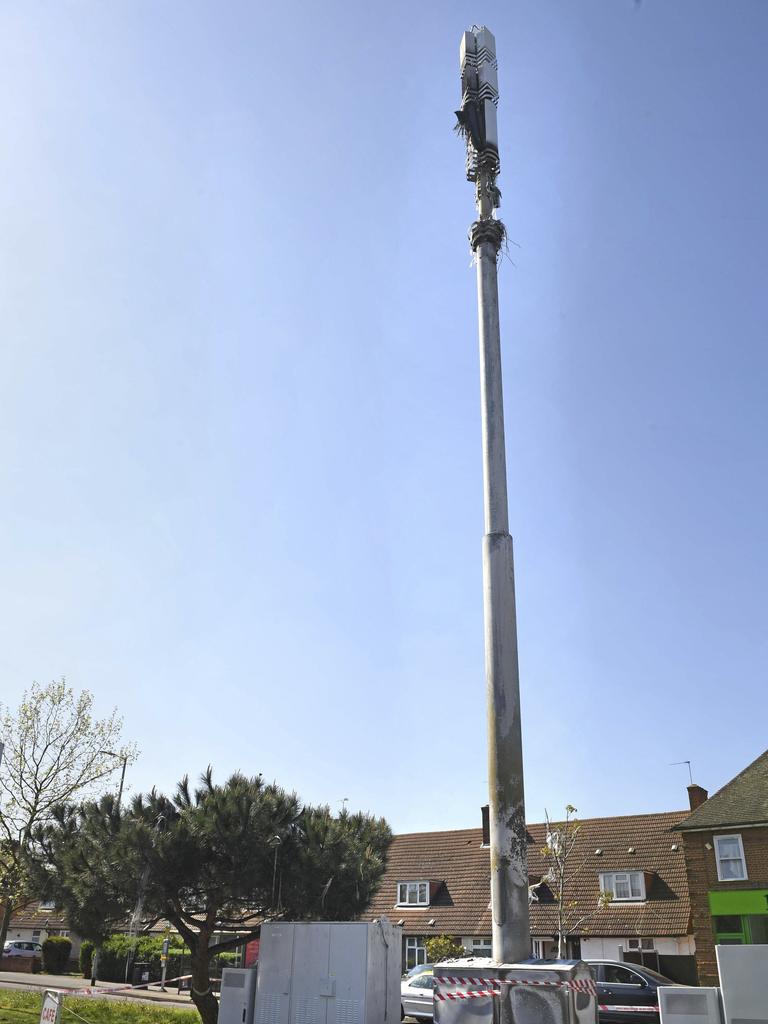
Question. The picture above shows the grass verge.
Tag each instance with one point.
(24, 1008)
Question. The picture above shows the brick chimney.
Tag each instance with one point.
(696, 796)
(486, 826)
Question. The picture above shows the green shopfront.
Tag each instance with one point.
(739, 917)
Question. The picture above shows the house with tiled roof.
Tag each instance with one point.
(725, 841)
(438, 883)
(37, 921)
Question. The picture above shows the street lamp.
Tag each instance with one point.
(509, 860)
(275, 842)
(124, 759)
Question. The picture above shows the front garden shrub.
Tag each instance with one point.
(56, 950)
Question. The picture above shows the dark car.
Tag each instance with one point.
(627, 992)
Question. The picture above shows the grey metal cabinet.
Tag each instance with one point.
(238, 989)
(329, 973)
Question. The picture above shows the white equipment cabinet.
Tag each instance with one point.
(238, 988)
(329, 973)
(744, 983)
(679, 1004)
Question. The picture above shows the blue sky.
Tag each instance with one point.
(240, 479)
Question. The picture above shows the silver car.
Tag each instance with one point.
(19, 948)
(416, 996)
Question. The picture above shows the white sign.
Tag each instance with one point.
(51, 1011)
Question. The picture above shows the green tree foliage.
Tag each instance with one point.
(443, 947)
(115, 951)
(219, 858)
(121, 948)
(55, 752)
(56, 950)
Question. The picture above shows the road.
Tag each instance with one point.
(37, 982)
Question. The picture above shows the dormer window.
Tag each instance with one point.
(413, 894)
(624, 885)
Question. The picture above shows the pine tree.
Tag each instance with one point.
(221, 858)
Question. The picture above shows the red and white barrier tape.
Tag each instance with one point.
(465, 995)
(574, 984)
(464, 981)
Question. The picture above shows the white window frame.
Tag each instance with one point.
(608, 884)
(406, 889)
(482, 942)
(643, 944)
(741, 878)
(416, 945)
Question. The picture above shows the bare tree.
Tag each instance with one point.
(54, 751)
(565, 865)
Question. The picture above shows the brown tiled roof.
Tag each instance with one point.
(460, 906)
(34, 916)
(742, 801)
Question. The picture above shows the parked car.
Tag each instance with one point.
(19, 948)
(418, 969)
(416, 995)
(627, 991)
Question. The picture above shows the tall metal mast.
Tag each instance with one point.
(509, 860)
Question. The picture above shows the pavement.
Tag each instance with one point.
(36, 982)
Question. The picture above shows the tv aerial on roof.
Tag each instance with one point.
(690, 773)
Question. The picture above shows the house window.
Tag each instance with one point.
(481, 946)
(729, 853)
(415, 952)
(639, 944)
(413, 894)
(735, 930)
(36, 933)
(624, 885)
(729, 930)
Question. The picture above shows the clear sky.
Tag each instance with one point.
(240, 478)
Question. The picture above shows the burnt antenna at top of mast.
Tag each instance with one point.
(477, 122)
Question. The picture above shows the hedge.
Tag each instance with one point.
(56, 950)
(113, 956)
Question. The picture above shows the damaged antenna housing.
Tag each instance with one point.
(479, 100)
